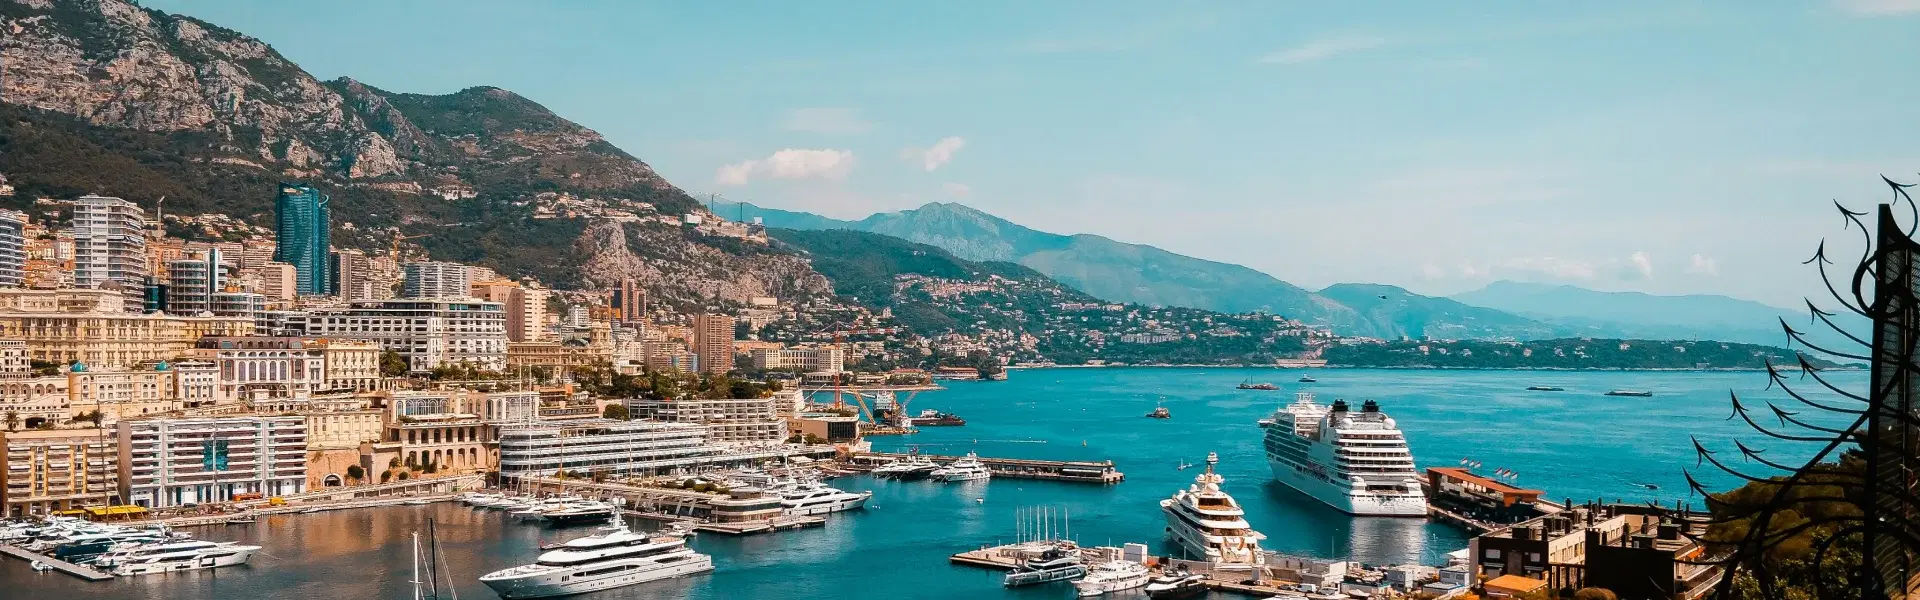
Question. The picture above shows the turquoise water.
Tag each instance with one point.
(1574, 444)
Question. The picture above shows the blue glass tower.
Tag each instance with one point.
(306, 240)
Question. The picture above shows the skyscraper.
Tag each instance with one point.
(109, 243)
(305, 238)
(192, 283)
(713, 342)
(629, 302)
(13, 248)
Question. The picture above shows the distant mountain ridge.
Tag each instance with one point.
(1641, 315)
(1137, 273)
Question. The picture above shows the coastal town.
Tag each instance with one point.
(151, 382)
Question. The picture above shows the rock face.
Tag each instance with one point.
(103, 96)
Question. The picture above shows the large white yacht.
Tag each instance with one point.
(186, 559)
(1208, 524)
(814, 498)
(617, 558)
(968, 468)
(1355, 462)
(1112, 576)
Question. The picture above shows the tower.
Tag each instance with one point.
(305, 237)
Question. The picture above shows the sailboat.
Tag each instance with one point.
(430, 588)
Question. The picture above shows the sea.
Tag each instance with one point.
(1576, 444)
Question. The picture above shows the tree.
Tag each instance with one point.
(13, 421)
(617, 412)
(96, 417)
(403, 475)
(392, 364)
(356, 473)
(1594, 593)
(542, 374)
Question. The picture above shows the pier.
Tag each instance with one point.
(57, 564)
(786, 523)
(1017, 468)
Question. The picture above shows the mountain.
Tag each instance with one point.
(1019, 313)
(1390, 308)
(1640, 315)
(103, 96)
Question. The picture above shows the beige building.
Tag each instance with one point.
(120, 394)
(277, 281)
(732, 421)
(526, 307)
(53, 470)
(713, 342)
(65, 300)
(350, 365)
(14, 363)
(109, 339)
(36, 401)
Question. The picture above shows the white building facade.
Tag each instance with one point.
(163, 461)
(428, 333)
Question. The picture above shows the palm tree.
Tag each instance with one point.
(13, 421)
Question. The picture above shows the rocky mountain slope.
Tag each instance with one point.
(1634, 314)
(103, 96)
(1394, 309)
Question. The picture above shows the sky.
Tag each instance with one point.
(1666, 147)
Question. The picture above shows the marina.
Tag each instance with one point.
(1042, 415)
(1076, 471)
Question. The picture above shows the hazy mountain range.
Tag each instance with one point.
(1123, 272)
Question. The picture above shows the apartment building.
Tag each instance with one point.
(53, 470)
(739, 421)
(435, 279)
(1637, 551)
(13, 248)
(350, 365)
(109, 243)
(258, 369)
(169, 462)
(603, 446)
(107, 339)
(427, 333)
(192, 282)
(812, 359)
(14, 361)
(713, 342)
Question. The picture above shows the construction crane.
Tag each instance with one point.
(397, 238)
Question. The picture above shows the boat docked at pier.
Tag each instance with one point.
(191, 558)
(1113, 576)
(814, 498)
(1208, 524)
(1356, 462)
(914, 467)
(617, 558)
(1177, 584)
(934, 418)
(1057, 563)
(967, 468)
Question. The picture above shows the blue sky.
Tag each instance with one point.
(1658, 146)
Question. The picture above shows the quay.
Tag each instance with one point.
(57, 564)
(1016, 468)
(225, 518)
(766, 526)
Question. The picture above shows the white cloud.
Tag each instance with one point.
(1559, 268)
(1704, 265)
(1433, 271)
(1879, 8)
(957, 190)
(827, 120)
(1323, 49)
(933, 157)
(1642, 264)
(791, 163)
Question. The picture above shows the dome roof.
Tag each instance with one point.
(79, 367)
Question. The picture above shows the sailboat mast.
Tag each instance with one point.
(433, 565)
(416, 566)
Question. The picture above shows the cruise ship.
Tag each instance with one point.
(1209, 525)
(1355, 462)
(617, 558)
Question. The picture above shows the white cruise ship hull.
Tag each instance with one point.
(1345, 498)
(211, 559)
(594, 577)
(851, 502)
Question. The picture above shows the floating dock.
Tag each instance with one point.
(767, 526)
(1018, 468)
(57, 564)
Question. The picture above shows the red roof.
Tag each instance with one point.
(1491, 484)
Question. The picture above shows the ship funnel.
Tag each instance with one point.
(1370, 407)
(1339, 406)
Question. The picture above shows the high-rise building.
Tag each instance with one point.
(510, 295)
(426, 333)
(629, 302)
(55, 470)
(713, 342)
(192, 282)
(435, 279)
(533, 315)
(109, 243)
(351, 269)
(13, 248)
(305, 239)
(279, 281)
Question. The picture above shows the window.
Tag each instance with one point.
(1491, 553)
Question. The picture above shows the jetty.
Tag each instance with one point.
(1015, 468)
(786, 523)
(57, 564)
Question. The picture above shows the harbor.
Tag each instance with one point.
(1074, 471)
(1033, 420)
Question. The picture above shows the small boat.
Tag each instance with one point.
(1634, 393)
(1543, 388)
(311, 510)
(934, 418)
(967, 468)
(1054, 564)
(1308, 379)
(1179, 584)
(418, 502)
(243, 520)
(1250, 385)
(1160, 412)
(41, 567)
